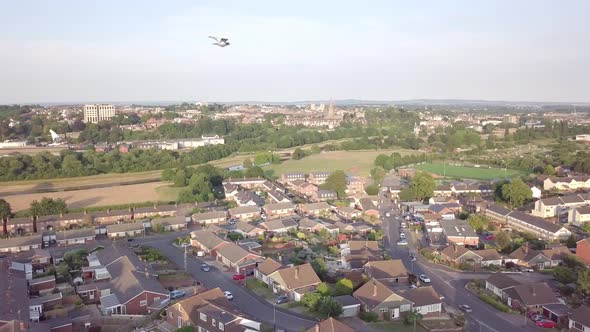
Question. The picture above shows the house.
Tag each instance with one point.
(315, 209)
(583, 250)
(392, 270)
(540, 259)
(351, 307)
(245, 212)
(324, 195)
(154, 211)
(112, 216)
(290, 177)
(209, 311)
(230, 190)
(537, 226)
(294, 281)
(368, 207)
(530, 296)
(212, 217)
(489, 257)
(497, 212)
(459, 254)
(536, 192)
(376, 297)
(125, 230)
(133, 288)
(270, 186)
(278, 197)
(236, 258)
(557, 312)
(248, 198)
(555, 206)
(22, 225)
(318, 178)
(280, 226)
(44, 303)
(330, 325)
(14, 290)
(498, 283)
(579, 215)
(304, 188)
(354, 185)
(357, 253)
(265, 269)
(459, 232)
(75, 236)
(248, 230)
(20, 243)
(279, 209)
(566, 183)
(310, 225)
(580, 319)
(37, 285)
(349, 212)
(170, 223)
(425, 300)
(206, 241)
(249, 183)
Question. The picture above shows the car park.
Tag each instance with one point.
(465, 307)
(175, 294)
(424, 278)
(228, 295)
(205, 267)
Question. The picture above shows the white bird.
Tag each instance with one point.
(221, 42)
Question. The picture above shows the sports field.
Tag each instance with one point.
(468, 172)
(352, 162)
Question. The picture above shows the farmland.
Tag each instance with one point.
(468, 172)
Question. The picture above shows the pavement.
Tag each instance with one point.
(450, 283)
(246, 301)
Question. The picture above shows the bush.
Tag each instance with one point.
(494, 302)
(369, 317)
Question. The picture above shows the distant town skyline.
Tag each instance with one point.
(67, 51)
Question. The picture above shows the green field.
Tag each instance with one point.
(352, 162)
(468, 172)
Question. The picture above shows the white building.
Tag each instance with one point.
(536, 192)
(98, 112)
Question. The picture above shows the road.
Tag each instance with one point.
(448, 283)
(247, 302)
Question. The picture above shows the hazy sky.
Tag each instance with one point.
(107, 50)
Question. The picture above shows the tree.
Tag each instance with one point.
(328, 307)
(310, 300)
(478, 222)
(549, 170)
(413, 317)
(422, 185)
(48, 206)
(184, 329)
(180, 178)
(344, 287)
(516, 192)
(564, 274)
(247, 163)
(378, 173)
(5, 213)
(323, 289)
(337, 182)
(406, 195)
(320, 267)
(586, 226)
(503, 240)
(158, 228)
(254, 171)
(298, 154)
(584, 281)
(372, 189)
(571, 241)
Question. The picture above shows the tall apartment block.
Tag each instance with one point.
(99, 112)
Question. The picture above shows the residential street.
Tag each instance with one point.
(243, 299)
(451, 284)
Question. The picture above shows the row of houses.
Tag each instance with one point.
(558, 205)
(528, 223)
(566, 183)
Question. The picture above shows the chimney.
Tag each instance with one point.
(317, 328)
(297, 272)
(455, 248)
(374, 288)
(109, 210)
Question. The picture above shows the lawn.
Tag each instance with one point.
(468, 172)
(168, 193)
(258, 287)
(352, 162)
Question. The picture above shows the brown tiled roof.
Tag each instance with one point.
(581, 315)
(268, 266)
(535, 293)
(271, 225)
(330, 325)
(76, 234)
(279, 206)
(372, 293)
(421, 296)
(488, 254)
(498, 209)
(454, 251)
(207, 238)
(583, 209)
(316, 206)
(557, 252)
(125, 227)
(232, 252)
(296, 276)
(19, 241)
(244, 209)
(208, 215)
(355, 245)
(393, 268)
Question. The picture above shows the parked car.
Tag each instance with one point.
(535, 316)
(546, 323)
(490, 237)
(402, 236)
(239, 277)
(465, 307)
(282, 299)
(402, 242)
(424, 278)
(205, 267)
(129, 240)
(175, 294)
(387, 214)
(228, 295)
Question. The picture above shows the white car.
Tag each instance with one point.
(465, 307)
(388, 214)
(402, 242)
(402, 236)
(228, 295)
(424, 278)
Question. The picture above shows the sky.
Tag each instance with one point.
(101, 51)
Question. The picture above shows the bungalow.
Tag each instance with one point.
(269, 186)
(530, 296)
(42, 284)
(236, 258)
(583, 250)
(318, 178)
(245, 212)
(459, 254)
(170, 223)
(75, 236)
(265, 269)
(361, 227)
(156, 210)
(498, 283)
(283, 225)
(248, 230)
(20, 243)
(324, 195)
(294, 281)
(539, 259)
(378, 298)
(579, 215)
(310, 225)
(212, 217)
(127, 229)
(459, 232)
(391, 271)
(330, 325)
(557, 312)
(425, 301)
(206, 241)
(315, 208)
(580, 319)
(279, 209)
(349, 212)
(357, 253)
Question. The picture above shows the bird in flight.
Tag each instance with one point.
(221, 42)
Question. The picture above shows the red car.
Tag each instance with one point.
(239, 277)
(490, 237)
(546, 323)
